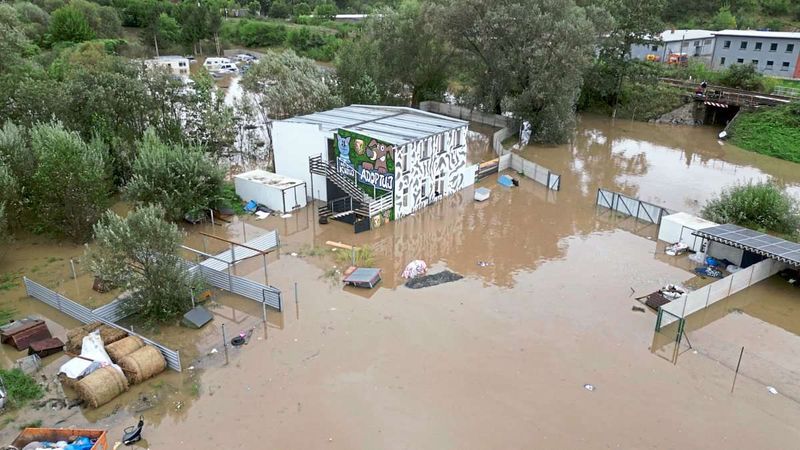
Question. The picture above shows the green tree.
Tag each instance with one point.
(279, 9)
(398, 53)
(103, 20)
(179, 178)
(68, 24)
(164, 30)
(325, 10)
(71, 185)
(8, 199)
(302, 9)
(723, 20)
(34, 21)
(508, 68)
(288, 85)
(14, 44)
(139, 253)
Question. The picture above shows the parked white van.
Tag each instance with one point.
(216, 63)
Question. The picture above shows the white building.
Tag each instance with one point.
(177, 65)
(774, 53)
(693, 43)
(372, 164)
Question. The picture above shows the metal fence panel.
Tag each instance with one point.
(112, 311)
(245, 287)
(86, 315)
(644, 211)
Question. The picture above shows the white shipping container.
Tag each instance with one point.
(276, 192)
(679, 227)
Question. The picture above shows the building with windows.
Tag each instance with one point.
(691, 43)
(772, 53)
(373, 164)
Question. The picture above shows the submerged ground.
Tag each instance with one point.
(498, 359)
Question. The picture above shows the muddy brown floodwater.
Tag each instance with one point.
(500, 358)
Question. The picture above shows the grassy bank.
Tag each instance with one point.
(770, 131)
(639, 101)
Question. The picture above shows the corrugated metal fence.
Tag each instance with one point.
(86, 315)
(245, 287)
(615, 201)
(112, 311)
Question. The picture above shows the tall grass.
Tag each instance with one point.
(761, 206)
(364, 257)
(21, 387)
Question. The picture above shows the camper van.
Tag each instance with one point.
(216, 63)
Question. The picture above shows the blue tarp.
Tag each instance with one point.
(505, 180)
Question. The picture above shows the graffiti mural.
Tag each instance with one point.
(368, 161)
(430, 169)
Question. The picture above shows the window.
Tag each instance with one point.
(707, 42)
(754, 62)
(653, 48)
(758, 46)
(697, 43)
(770, 64)
(740, 61)
(722, 61)
(789, 48)
(785, 66)
(773, 47)
(727, 44)
(743, 45)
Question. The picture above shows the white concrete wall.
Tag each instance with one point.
(293, 144)
(722, 251)
(419, 164)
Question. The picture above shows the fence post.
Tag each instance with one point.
(730, 285)
(72, 265)
(737, 369)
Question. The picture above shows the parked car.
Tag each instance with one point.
(216, 63)
(245, 57)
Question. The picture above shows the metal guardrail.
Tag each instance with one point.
(86, 315)
(731, 95)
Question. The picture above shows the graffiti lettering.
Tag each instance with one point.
(377, 179)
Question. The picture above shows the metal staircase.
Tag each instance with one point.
(357, 202)
(319, 167)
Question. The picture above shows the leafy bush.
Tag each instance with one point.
(21, 387)
(742, 76)
(68, 24)
(140, 253)
(313, 44)
(762, 206)
(180, 178)
(71, 185)
(279, 9)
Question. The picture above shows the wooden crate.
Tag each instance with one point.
(46, 347)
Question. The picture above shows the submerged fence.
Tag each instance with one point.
(701, 298)
(630, 206)
(535, 172)
(245, 287)
(86, 315)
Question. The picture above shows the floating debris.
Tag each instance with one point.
(772, 390)
(588, 387)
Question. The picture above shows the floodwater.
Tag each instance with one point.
(500, 358)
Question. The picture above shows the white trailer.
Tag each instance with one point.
(276, 192)
(679, 227)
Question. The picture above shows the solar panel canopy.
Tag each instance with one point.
(753, 241)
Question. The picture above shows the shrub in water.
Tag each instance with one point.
(762, 206)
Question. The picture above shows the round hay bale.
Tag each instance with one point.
(124, 347)
(108, 334)
(101, 386)
(143, 364)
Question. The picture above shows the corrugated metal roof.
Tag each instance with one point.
(761, 34)
(393, 124)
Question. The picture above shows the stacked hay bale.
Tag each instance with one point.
(123, 347)
(101, 386)
(108, 334)
(143, 364)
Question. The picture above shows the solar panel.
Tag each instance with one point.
(754, 241)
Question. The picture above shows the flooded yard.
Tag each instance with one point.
(498, 359)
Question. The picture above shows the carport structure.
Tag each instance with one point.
(754, 242)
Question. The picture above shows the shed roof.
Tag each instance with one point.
(270, 179)
(761, 34)
(393, 124)
(754, 241)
